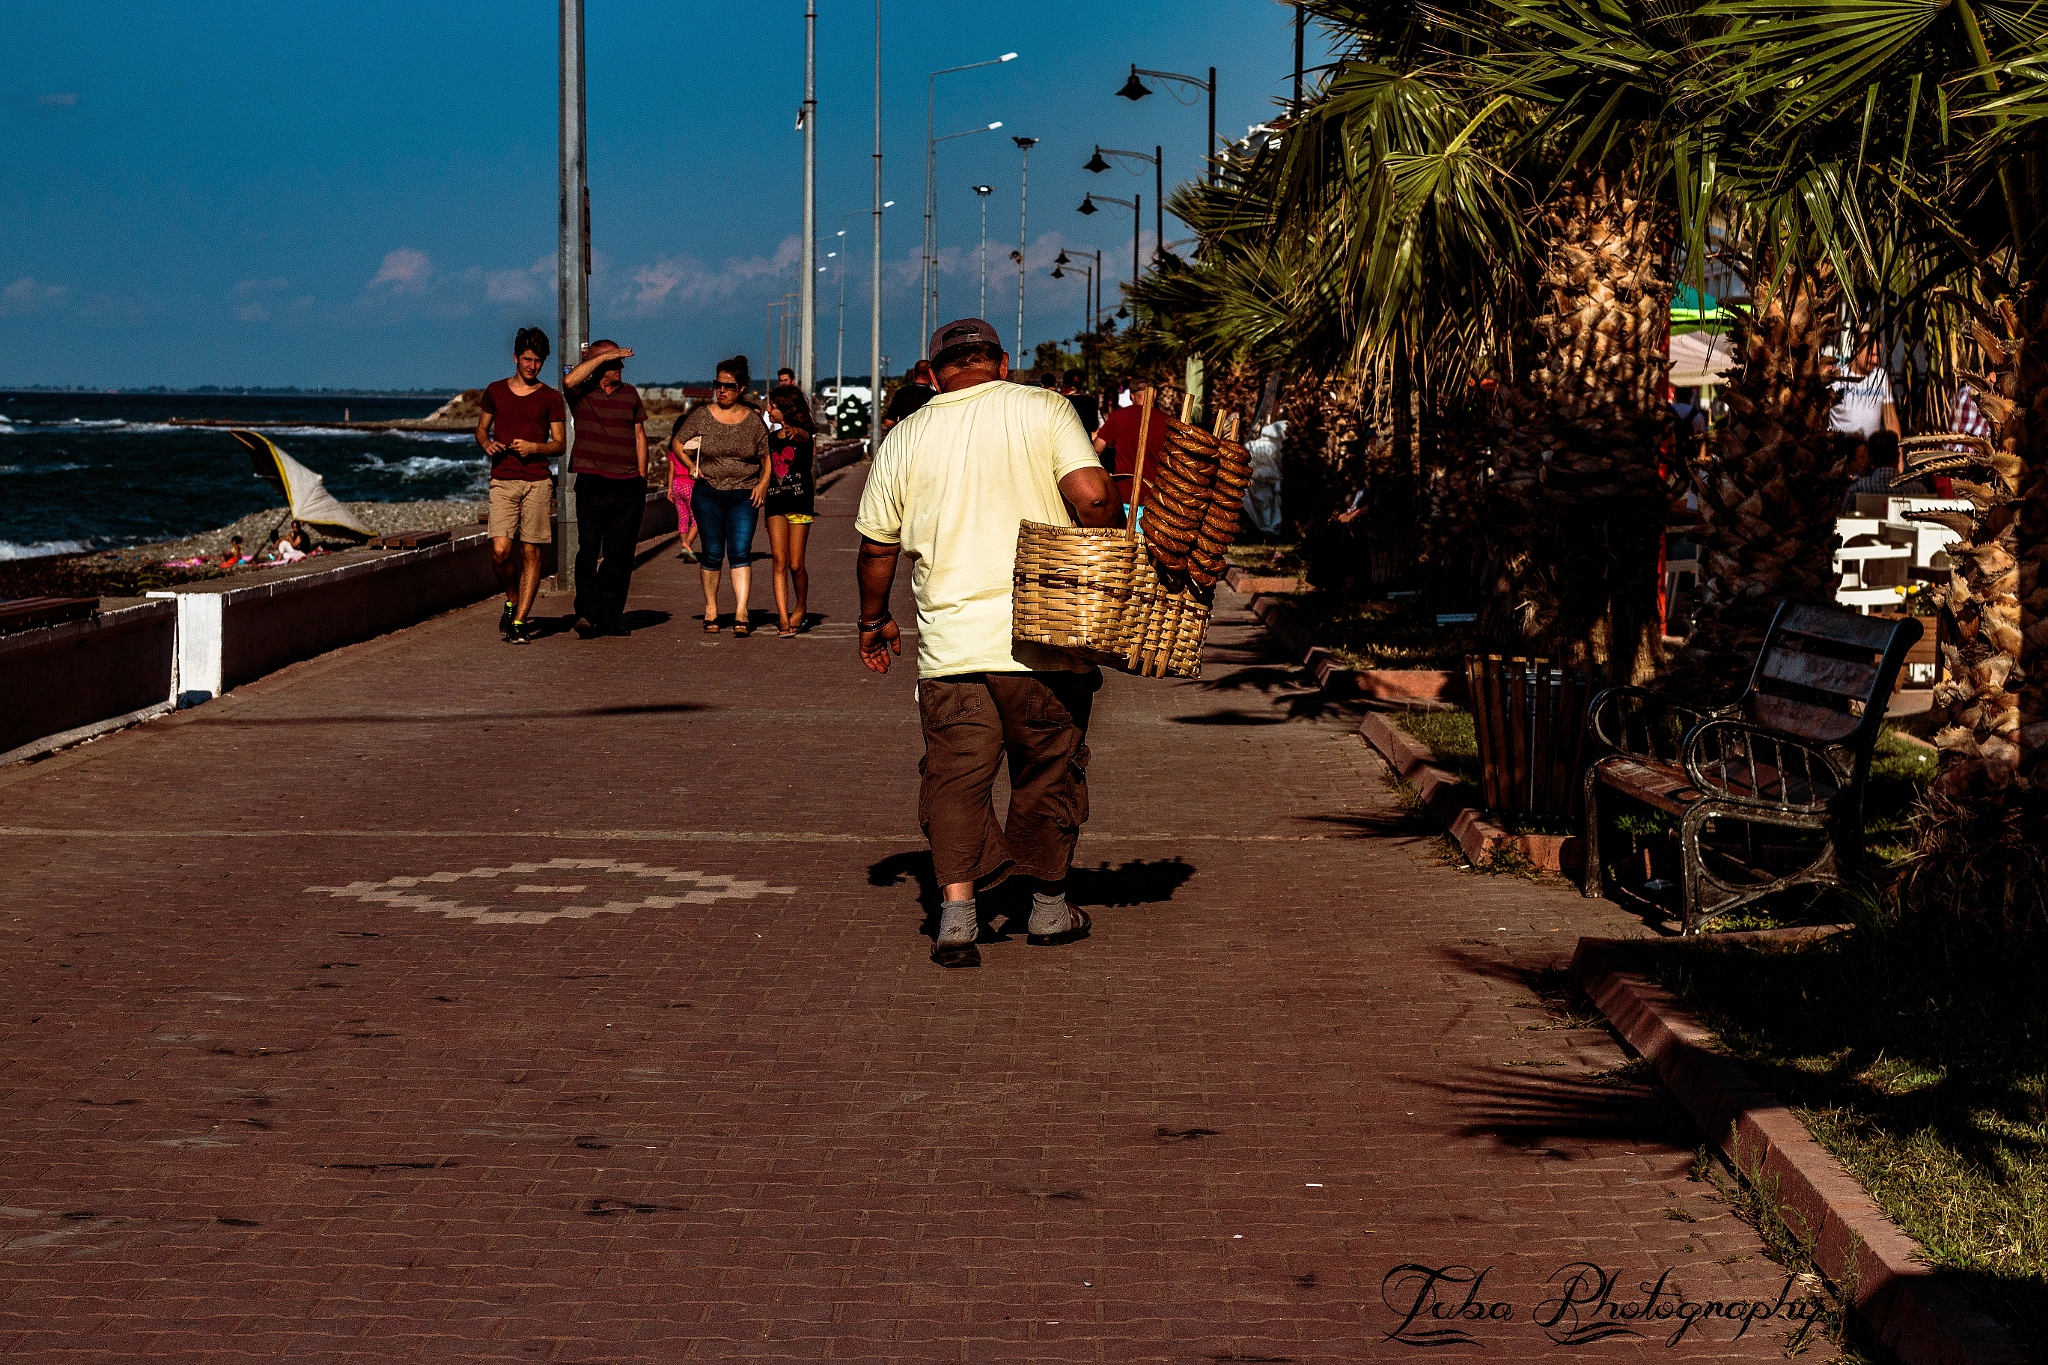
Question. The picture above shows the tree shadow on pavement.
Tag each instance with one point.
(1282, 686)
(1535, 1113)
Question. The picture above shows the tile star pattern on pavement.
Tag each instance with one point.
(1299, 1058)
(400, 892)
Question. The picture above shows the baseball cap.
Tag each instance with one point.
(963, 332)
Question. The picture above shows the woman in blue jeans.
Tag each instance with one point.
(727, 445)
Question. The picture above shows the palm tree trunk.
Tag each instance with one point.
(1979, 852)
(1579, 503)
(1771, 489)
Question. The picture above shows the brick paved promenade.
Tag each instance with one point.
(438, 1000)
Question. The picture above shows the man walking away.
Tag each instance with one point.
(521, 429)
(1083, 401)
(1117, 441)
(610, 465)
(949, 489)
(908, 399)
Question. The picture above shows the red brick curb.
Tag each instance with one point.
(1252, 584)
(1902, 1300)
(1455, 806)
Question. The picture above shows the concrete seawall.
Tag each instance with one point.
(63, 684)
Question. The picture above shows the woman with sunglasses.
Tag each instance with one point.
(793, 454)
(728, 449)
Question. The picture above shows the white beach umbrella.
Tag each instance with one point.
(304, 490)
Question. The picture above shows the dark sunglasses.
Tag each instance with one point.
(722, 384)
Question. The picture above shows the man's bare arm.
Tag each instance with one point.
(640, 445)
(483, 435)
(1093, 497)
(876, 566)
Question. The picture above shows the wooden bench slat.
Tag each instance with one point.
(1800, 719)
(1662, 785)
(1843, 627)
(1841, 677)
(21, 612)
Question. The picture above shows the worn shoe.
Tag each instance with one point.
(957, 955)
(519, 633)
(584, 628)
(1078, 925)
(505, 622)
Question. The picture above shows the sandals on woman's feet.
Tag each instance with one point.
(741, 630)
(711, 625)
(1077, 929)
(786, 631)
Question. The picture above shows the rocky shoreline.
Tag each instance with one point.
(134, 569)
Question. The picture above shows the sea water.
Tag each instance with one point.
(95, 471)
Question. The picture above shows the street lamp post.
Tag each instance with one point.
(982, 192)
(1136, 205)
(1097, 164)
(875, 279)
(807, 345)
(927, 277)
(1135, 89)
(1060, 266)
(572, 269)
(1024, 146)
(931, 320)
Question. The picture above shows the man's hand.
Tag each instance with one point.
(524, 447)
(878, 644)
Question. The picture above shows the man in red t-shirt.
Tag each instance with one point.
(609, 461)
(1118, 437)
(521, 427)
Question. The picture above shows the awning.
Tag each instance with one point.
(1700, 358)
(305, 491)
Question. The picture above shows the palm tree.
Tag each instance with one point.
(1773, 482)
(1927, 124)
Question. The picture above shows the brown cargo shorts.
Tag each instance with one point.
(972, 724)
(523, 509)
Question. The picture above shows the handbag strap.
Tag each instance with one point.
(1138, 469)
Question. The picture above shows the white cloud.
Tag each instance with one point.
(27, 294)
(537, 281)
(684, 281)
(253, 298)
(64, 101)
(405, 271)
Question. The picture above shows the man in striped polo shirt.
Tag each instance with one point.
(609, 460)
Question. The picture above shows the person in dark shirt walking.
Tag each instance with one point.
(921, 389)
(791, 505)
(1083, 401)
(609, 460)
(521, 429)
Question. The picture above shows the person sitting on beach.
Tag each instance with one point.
(287, 550)
(234, 555)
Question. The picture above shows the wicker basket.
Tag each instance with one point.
(1094, 591)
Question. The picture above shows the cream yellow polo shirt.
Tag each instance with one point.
(949, 486)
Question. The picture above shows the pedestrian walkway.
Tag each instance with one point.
(438, 1000)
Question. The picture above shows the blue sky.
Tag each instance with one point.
(364, 195)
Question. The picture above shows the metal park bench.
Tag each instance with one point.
(1792, 753)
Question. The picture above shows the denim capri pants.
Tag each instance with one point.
(726, 518)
